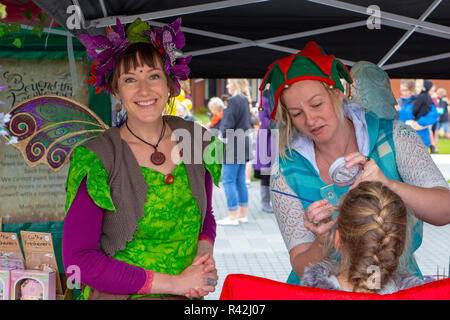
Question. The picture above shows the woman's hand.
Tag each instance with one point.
(371, 171)
(318, 218)
(209, 267)
(193, 281)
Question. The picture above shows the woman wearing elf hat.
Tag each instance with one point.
(139, 217)
(317, 126)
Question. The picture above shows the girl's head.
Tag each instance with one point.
(371, 235)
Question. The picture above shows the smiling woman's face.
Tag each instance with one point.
(311, 109)
(143, 91)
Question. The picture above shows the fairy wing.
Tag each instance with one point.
(49, 127)
(372, 89)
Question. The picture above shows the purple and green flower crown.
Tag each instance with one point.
(105, 50)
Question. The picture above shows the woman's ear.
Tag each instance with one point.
(339, 94)
(337, 245)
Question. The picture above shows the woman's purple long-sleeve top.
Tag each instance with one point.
(80, 246)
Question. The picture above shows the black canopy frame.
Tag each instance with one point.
(240, 38)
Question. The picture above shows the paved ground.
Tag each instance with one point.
(257, 248)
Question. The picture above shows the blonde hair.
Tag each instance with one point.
(442, 91)
(408, 83)
(242, 88)
(287, 130)
(419, 85)
(215, 103)
(372, 224)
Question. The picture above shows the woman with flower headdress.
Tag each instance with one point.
(328, 144)
(139, 220)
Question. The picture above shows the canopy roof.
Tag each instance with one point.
(240, 38)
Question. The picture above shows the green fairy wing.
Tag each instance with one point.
(372, 89)
(49, 127)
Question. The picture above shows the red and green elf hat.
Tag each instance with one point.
(309, 64)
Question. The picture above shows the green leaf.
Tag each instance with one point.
(134, 32)
(38, 30)
(28, 14)
(42, 17)
(17, 42)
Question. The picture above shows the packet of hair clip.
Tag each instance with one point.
(10, 254)
(40, 255)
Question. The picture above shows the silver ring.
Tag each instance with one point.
(211, 282)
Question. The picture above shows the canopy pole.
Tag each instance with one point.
(408, 33)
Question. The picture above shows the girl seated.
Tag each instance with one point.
(370, 237)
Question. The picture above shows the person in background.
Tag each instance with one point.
(234, 129)
(443, 122)
(371, 237)
(263, 157)
(408, 87)
(183, 111)
(216, 107)
(433, 129)
(225, 97)
(254, 123)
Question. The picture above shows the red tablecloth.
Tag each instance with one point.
(246, 287)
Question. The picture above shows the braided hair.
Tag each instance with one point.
(372, 226)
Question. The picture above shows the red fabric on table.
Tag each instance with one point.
(246, 287)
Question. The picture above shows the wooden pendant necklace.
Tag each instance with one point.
(157, 158)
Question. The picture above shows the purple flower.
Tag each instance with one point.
(169, 41)
(105, 50)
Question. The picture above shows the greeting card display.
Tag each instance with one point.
(10, 248)
(40, 255)
(33, 285)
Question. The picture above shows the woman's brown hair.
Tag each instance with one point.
(372, 227)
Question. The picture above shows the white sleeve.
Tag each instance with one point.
(289, 212)
(414, 163)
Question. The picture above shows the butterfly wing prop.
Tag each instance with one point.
(372, 89)
(49, 127)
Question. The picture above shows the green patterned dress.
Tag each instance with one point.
(166, 240)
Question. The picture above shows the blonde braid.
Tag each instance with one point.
(372, 225)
